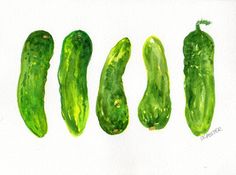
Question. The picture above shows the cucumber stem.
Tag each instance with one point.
(202, 21)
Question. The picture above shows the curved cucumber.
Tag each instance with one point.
(36, 54)
(199, 79)
(155, 107)
(72, 77)
(111, 107)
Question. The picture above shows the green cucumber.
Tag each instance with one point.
(199, 81)
(111, 107)
(72, 76)
(155, 107)
(35, 58)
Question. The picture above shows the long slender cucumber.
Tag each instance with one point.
(199, 81)
(35, 58)
(72, 77)
(111, 107)
(155, 107)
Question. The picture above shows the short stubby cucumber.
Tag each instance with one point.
(72, 77)
(199, 79)
(35, 58)
(155, 107)
(111, 107)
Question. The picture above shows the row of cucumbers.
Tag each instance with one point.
(111, 107)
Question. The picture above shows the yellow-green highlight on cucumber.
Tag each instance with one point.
(155, 107)
(35, 58)
(111, 108)
(72, 76)
(199, 81)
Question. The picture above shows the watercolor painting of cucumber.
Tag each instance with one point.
(134, 87)
(111, 107)
(199, 81)
(155, 107)
(112, 111)
(72, 77)
(36, 54)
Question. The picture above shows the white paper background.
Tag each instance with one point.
(137, 151)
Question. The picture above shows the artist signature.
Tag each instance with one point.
(212, 133)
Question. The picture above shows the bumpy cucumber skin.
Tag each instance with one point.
(111, 107)
(72, 77)
(35, 58)
(155, 107)
(199, 82)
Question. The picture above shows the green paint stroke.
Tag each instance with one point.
(199, 79)
(35, 58)
(111, 108)
(72, 77)
(155, 107)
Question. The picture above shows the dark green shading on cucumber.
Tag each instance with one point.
(35, 58)
(72, 77)
(155, 107)
(111, 107)
(199, 82)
